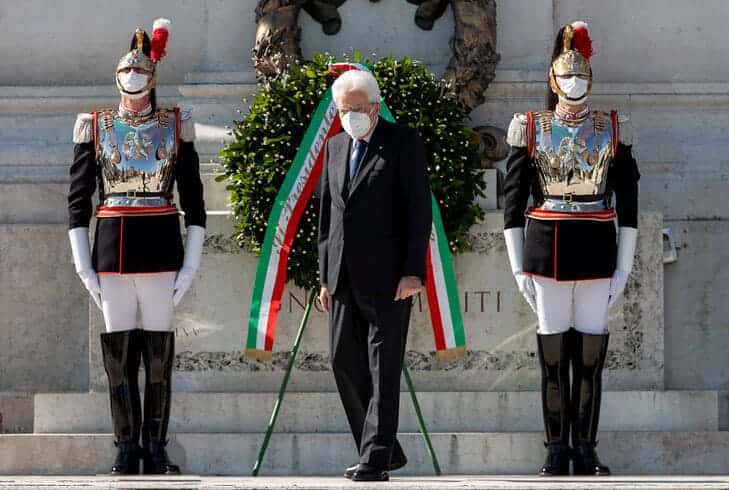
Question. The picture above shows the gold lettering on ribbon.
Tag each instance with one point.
(297, 190)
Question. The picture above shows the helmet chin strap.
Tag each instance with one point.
(574, 102)
(135, 96)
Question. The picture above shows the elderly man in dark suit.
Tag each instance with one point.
(375, 222)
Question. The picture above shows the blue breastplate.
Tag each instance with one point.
(137, 157)
(572, 158)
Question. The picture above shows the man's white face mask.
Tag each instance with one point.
(133, 82)
(356, 124)
(575, 89)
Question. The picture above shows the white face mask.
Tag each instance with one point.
(574, 88)
(356, 124)
(132, 81)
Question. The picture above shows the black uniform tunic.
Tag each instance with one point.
(570, 250)
(135, 244)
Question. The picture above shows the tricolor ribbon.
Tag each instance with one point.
(289, 206)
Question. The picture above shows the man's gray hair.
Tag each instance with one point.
(356, 81)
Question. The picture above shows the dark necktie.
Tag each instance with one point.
(357, 153)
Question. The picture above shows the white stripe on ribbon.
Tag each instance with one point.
(441, 292)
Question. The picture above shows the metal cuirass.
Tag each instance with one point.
(572, 157)
(137, 156)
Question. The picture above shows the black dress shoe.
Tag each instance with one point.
(156, 461)
(369, 473)
(586, 462)
(127, 459)
(557, 462)
(394, 466)
(349, 472)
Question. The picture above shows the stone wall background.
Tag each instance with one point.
(665, 63)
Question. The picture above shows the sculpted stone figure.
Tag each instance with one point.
(278, 34)
(474, 60)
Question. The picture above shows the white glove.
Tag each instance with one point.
(81, 250)
(627, 238)
(193, 253)
(514, 238)
(526, 288)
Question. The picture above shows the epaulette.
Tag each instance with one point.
(187, 125)
(517, 133)
(83, 130)
(625, 130)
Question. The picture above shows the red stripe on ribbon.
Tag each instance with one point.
(435, 315)
(121, 245)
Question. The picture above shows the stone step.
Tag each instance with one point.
(42, 152)
(29, 116)
(16, 412)
(39, 196)
(632, 453)
(397, 482)
(60, 173)
(212, 103)
(40, 203)
(672, 411)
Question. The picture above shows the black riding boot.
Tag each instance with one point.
(588, 359)
(121, 355)
(158, 353)
(554, 361)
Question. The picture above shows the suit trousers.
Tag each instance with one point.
(368, 335)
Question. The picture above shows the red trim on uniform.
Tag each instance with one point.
(533, 274)
(95, 121)
(134, 273)
(556, 243)
(530, 134)
(616, 131)
(550, 215)
(121, 243)
(178, 130)
(120, 211)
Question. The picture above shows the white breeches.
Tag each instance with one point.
(122, 296)
(579, 304)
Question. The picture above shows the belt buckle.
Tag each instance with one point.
(131, 196)
(567, 196)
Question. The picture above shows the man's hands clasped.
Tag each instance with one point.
(408, 287)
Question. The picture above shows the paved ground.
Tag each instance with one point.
(329, 483)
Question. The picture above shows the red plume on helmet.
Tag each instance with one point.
(581, 40)
(160, 34)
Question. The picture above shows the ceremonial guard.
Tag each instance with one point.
(138, 264)
(571, 265)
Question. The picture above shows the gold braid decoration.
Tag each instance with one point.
(140, 38)
(569, 33)
(545, 120)
(599, 122)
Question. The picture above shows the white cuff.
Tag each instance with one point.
(193, 247)
(80, 248)
(514, 238)
(627, 239)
